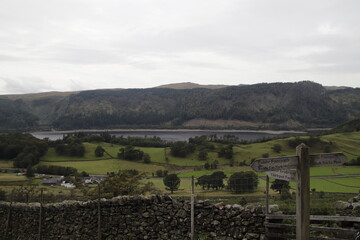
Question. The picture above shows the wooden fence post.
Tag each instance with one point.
(303, 193)
(267, 194)
(99, 213)
(41, 212)
(192, 208)
(8, 222)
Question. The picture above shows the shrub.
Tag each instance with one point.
(241, 182)
(99, 151)
(277, 148)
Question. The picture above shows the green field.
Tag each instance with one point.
(89, 154)
(334, 170)
(6, 164)
(11, 177)
(105, 166)
(191, 166)
(346, 185)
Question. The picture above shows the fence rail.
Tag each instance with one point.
(275, 229)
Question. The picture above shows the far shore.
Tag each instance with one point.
(172, 130)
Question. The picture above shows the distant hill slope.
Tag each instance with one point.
(190, 85)
(259, 106)
(350, 126)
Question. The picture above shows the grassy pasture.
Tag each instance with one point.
(347, 142)
(334, 170)
(89, 154)
(336, 185)
(11, 177)
(104, 166)
(6, 164)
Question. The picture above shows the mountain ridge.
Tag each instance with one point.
(259, 106)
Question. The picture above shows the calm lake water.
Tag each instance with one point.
(173, 135)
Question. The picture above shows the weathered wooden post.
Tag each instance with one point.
(303, 193)
(99, 213)
(267, 194)
(41, 212)
(192, 208)
(281, 168)
(8, 222)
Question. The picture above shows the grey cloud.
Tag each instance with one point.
(131, 39)
(25, 85)
(6, 58)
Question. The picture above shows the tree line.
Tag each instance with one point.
(24, 149)
(239, 182)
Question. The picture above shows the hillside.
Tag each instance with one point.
(260, 106)
(350, 126)
(190, 85)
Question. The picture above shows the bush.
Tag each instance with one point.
(203, 155)
(99, 151)
(130, 153)
(226, 152)
(277, 148)
(280, 186)
(147, 158)
(181, 149)
(241, 182)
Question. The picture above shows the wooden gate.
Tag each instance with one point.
(348, 227)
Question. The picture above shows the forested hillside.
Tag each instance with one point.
(14, 116)
(275, 105)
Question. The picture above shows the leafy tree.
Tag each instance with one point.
(60, 149)
(30, 172)
(124, 183)
(214, 165)
(24, 149)
(203, 181)
(181, 149)
(203, 155)
(276, 148)
(226, 152)
(25, 160)
(241, 182)
(99, 151)
(172, 182)
(147, 158)
(77, 149)
(214, 181)
(280, 186)
(207, 166)
(130, 153)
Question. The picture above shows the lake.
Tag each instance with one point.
(173, 135)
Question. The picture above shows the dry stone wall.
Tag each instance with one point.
(154, 217)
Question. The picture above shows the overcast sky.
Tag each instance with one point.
(64, 45)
